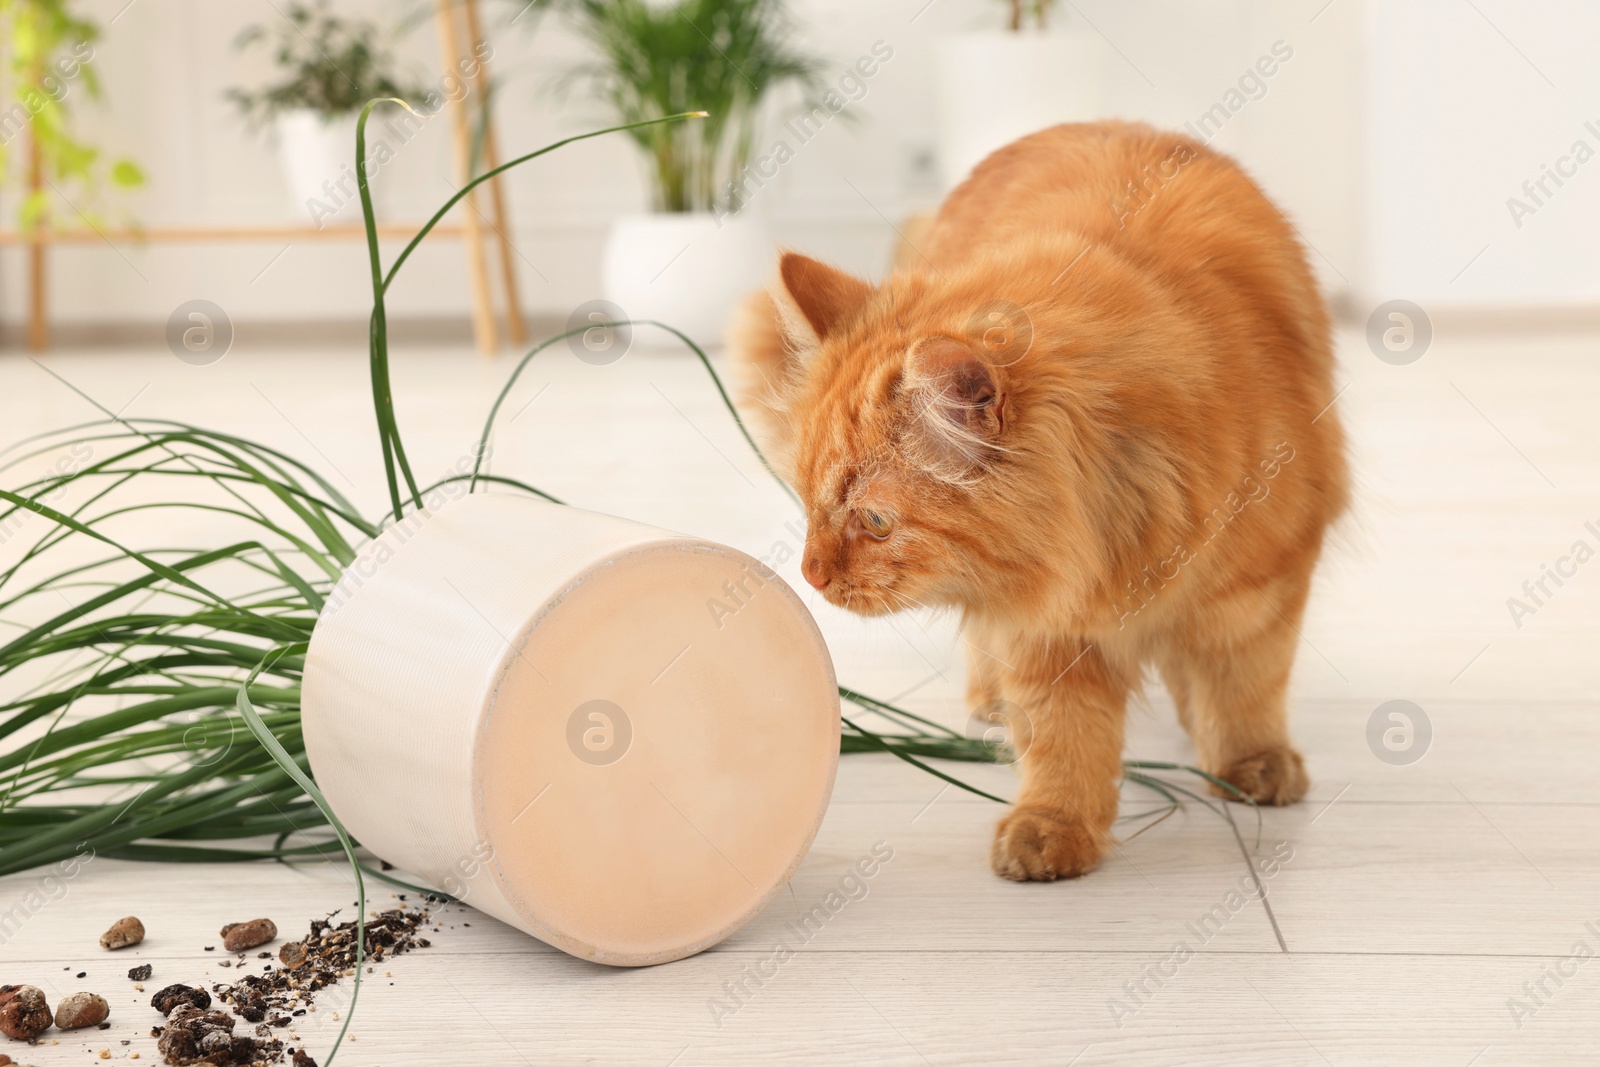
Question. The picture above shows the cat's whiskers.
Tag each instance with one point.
(907, 598)
(904, 600)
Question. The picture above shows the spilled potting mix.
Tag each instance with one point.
(248, 1021)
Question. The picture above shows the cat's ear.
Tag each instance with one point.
(958, 398)
(820, 298)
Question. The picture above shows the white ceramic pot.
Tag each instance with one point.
(319, 166)
(617, 739)
(995, 87)
(688, 270)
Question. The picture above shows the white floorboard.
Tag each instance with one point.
(1418, 900)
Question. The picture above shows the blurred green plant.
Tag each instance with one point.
(49, 52)
(331, 65)
(1019, 11)
(725, 57)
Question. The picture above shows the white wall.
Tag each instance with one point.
(165, 64)
(1465, 104)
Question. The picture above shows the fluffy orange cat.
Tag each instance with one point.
(1091, 410)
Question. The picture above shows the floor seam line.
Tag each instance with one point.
(1261, 890)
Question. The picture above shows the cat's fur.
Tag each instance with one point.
(1147, 479)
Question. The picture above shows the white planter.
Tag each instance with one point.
(538, 710)
(319, 166)
(995, 87)
(685, 270)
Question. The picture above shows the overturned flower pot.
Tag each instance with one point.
(617, 739)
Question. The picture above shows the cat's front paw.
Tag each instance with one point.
(1040, 845)
(1276, 776)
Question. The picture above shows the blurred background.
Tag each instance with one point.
(1436, 157)
(1393, 133)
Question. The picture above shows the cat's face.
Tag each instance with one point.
(891, 440)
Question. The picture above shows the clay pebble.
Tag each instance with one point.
(240, 937)
(78, 1010)
(24, 1012)
(124, 933)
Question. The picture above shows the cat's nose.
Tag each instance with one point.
(814, 571)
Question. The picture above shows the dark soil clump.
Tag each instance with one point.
(193, 1035)
(177, 994)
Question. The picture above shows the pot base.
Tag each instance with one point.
(649, 776)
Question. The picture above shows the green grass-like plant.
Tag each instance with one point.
(156, 713)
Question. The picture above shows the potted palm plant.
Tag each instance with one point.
(698, 250)
(999, 84)
(331, 67)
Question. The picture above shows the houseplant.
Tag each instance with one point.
(690, 258)
(330, 67)
(999, 84)
(48, 53)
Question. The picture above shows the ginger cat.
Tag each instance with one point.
(1093, 414)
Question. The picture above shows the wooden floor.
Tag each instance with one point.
(1439, 912)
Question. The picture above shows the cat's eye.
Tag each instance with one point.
(876, 523)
